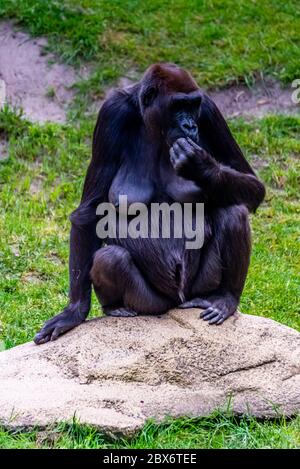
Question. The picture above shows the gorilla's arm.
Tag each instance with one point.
(218, 165)
(222, 184)
(108, 140)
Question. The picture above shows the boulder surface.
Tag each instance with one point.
(115, 373)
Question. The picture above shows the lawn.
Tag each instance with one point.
(221, 42)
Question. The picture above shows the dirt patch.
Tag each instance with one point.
(54, 258)
(33, 81)
(41, 88)
(36, 185)
(31, 277)
(15, 249)
(263, 99)
(3, 149)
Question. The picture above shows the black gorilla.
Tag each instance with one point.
(161, 140)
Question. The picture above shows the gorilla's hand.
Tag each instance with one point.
(61, 323)
(191, 161)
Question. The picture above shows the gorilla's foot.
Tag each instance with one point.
(121, 312)
(196, 303)
(221, 307)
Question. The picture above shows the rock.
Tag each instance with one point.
(115, 373)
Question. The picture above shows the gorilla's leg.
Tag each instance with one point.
(120, 286)
(225, 262)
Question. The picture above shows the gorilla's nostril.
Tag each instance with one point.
(189, 127)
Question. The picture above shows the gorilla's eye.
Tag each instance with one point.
(149, 95)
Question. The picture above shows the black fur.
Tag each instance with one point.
(140, 149)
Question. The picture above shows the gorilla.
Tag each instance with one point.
(161, 140)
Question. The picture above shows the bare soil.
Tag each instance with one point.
(41, 88)
(264, 98)
(3, 149)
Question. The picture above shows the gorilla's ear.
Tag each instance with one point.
(148, 95)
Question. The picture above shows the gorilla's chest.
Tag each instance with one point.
(156, 183)
(177, 188)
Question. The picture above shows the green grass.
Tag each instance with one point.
(219, 41)
(216, 431)
(40, 183)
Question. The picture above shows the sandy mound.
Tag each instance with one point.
(41, 89)
(115, 373)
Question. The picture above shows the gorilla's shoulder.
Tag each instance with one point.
(126, 98)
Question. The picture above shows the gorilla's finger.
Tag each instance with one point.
(181, 141)
(41, 338)
(46, 329)
(206, 311)
(212, 315)
(220, 321)
(172, 156)
(182, 157)
(59, 330)
(185, 145)
(216, 319)
(193, 144)
(176, 148)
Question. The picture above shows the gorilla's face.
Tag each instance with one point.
(173, 116)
